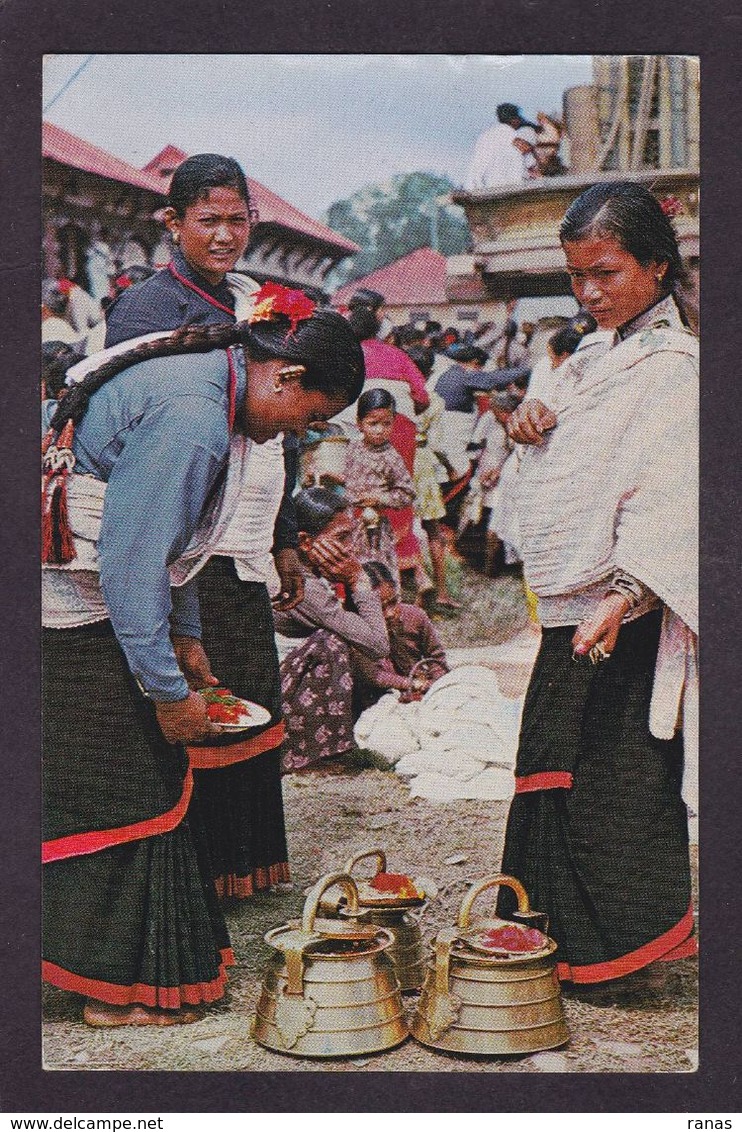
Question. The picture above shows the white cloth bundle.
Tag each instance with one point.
(459, 741)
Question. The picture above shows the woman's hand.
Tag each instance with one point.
(185, 721)
(530, 421)
(603, 627)
(288, 566)
(334, 561)
(193, 662)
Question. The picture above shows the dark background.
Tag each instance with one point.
(709, 29)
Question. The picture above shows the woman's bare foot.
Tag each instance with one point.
(98, 1013)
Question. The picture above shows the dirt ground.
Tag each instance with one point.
(329, 817)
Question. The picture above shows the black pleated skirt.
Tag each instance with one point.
(129, 909)
(606, 859)
(242, 803)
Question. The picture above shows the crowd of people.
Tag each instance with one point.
(239, 460)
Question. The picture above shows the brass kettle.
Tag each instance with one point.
(399, 914)
(481, 1000)
(331, 991)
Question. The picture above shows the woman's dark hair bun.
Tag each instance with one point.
(316, 507)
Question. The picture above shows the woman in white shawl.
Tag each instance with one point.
(597, 830)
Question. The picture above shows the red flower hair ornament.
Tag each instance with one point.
(671, 207)
(272, 299)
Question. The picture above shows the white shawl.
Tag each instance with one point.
(615, 485)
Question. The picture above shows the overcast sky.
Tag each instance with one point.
(313, 128)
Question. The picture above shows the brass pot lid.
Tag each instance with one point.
(311, 929)
(391, 890)
(477, 941)
(345, 927)
(370, 897)
(474, 935)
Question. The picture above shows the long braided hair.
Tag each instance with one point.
(324, 344)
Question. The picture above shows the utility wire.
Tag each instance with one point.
(69, 82)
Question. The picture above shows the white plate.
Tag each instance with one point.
(255, 716)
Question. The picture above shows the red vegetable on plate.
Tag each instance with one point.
(222, 706)
(513, 938)
(396, 883)
(224, 713)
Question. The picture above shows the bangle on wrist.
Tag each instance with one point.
(629, 588)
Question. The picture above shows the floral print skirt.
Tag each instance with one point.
(317, 686)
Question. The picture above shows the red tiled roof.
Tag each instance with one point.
(165, 162)
(415, 278)
(59, 145)
(274, 210)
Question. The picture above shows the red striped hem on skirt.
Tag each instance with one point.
(677, 943)
(167, 998)
(545, 780)
(456, 487)
(77, 844)
(261, 878)
(207, 758)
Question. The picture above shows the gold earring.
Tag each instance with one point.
(176, 238)
(278, 385)
(660, 276)
(292, 373)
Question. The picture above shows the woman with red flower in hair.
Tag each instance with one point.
(154, 473)
(210, 216)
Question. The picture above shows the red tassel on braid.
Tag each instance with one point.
(57, 544)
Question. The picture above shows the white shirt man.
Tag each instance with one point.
(497, 159)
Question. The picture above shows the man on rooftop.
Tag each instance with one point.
(498, 158)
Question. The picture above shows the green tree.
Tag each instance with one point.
(391, 220)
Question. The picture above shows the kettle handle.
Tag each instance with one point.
(379, 854)
(492, 882)
(311, 905)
